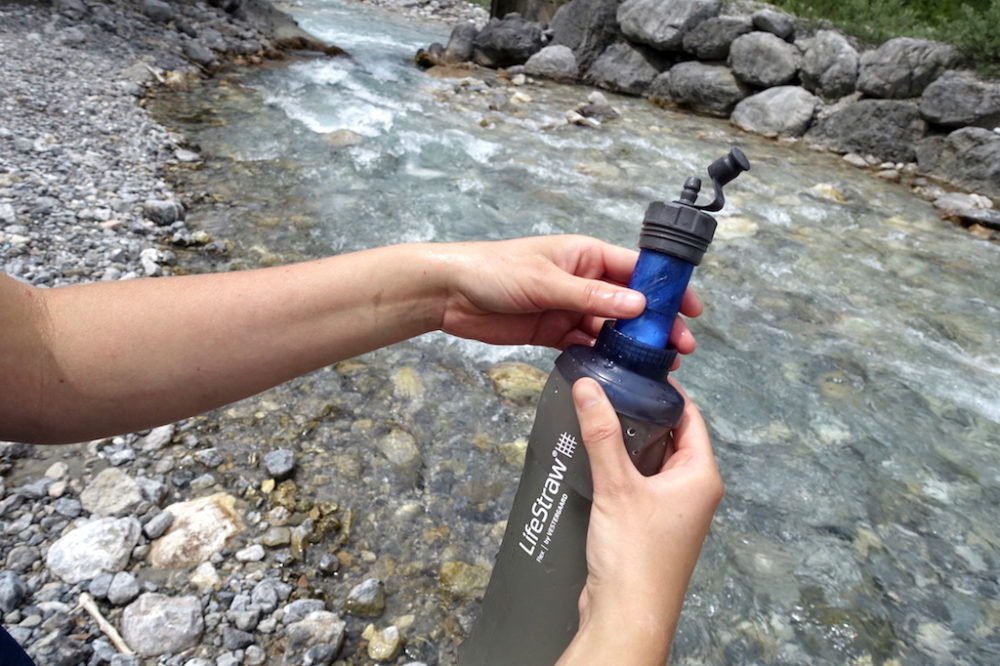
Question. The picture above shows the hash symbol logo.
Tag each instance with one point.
(566, 445)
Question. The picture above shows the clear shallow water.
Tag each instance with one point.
(848, 360)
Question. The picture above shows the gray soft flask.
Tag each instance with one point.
(529, 614)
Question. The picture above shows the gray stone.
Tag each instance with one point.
(280, 463)
(22, 558)
(830, 65)
(588, 27)
(164, 213)
(781, 111)
(254, 656)
(317, 638)
(711, 39)
(553, 62)
(299, 609)
(152, 490)
(111, 493)
(265, 595)
(123, 589)
(68, 507)
(102, 545)
(763, 59)
(400, 448)
(366, 599)
(663, 25)
(775, 22)
(199, 54)
(252, 553)
(887, 129)
(158, 11)
(245, 620)
(209, 457)
(100, 585)
(234, 639)
(275, 537)
(957, 99)
(12, 591)
(72, 36)
(7, 214)
(710, 89)
(903, 67)
(459, 47)
(158, 437)
(968, 158)
(627, 68)
(156, 624)
(510, 41)
(74, 9)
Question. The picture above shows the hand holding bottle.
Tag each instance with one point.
(644, 538)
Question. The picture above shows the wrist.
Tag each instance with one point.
(606, 639)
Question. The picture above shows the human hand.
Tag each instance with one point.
(645, 534)
(552, 291)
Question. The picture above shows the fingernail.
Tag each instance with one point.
(586, 393)
(629, 301)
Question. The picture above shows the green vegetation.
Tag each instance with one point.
(971, 25)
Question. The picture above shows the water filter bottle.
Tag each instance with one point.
(530, 614)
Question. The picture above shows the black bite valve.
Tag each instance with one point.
(721, 171)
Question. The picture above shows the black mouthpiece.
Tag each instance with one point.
(682, 228)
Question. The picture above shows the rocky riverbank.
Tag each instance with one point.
(133, 549)
(906, 110)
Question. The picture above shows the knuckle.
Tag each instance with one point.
(600, 431)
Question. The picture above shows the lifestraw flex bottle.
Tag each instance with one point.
(529, 613)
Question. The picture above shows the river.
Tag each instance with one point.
(848, 362)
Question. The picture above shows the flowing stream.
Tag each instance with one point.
(848, 364)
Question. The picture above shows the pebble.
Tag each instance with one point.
(12, 591)
(253, 553)
(158, 524)
(156, 624)
(383, 645)
(209, 457)
(280, 464)
(234, 639)
(102, 545)
(201, 527)
(111, 493)
(320, 631)
(366, 599)
(205, 577)
(123, 589)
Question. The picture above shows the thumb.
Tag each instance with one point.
(602, 436)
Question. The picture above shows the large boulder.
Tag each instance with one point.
(830, 65)
(957, 99)
(711, 39)
(663, 25)
(781, 111)
(904, 66)
(777, 23)
(710, 89)
(627, 68)
(553, 62)
(459, 47)
(887, 129)
(968, 157)
(586, 26)
(507, 42)
(765, 60)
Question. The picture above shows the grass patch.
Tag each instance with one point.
(971, 25)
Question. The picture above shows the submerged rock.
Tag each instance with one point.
(518, 382)
(400, 448)
(280, 463)
(366, 599)
(464, 581)
(383, 645)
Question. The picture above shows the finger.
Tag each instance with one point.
(588, 296)
(691, 440)
(602, 436)
(691, 305)
(681, 337)
(619, 262)
(577, 337)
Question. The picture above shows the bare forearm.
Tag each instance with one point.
(128, 355)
